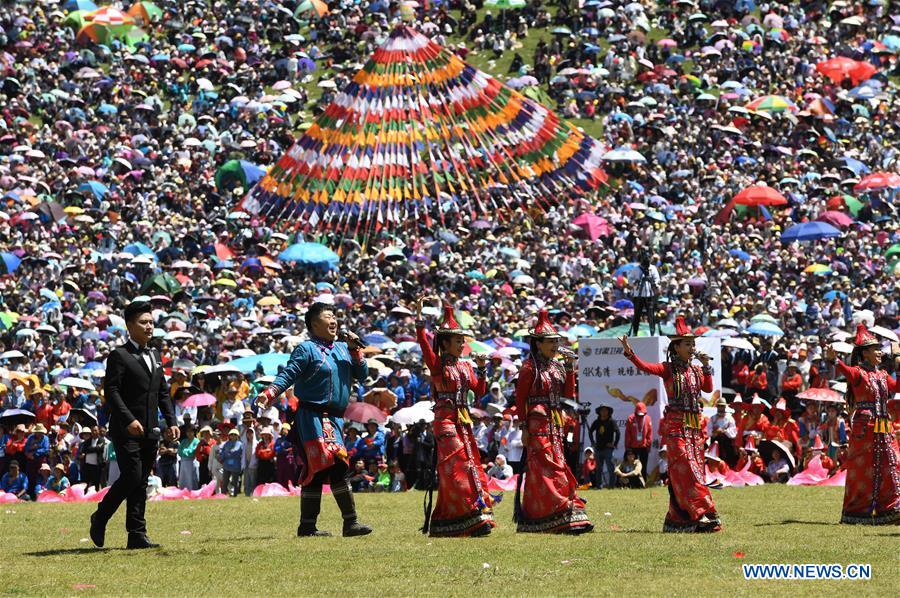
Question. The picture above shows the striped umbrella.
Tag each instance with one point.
(771, 103)
(110, 16)
(419, 132)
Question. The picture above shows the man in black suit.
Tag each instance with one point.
(135, 389)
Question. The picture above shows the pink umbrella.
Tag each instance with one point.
(667, 43)
(594, 226)
(825, 395)
(838, 219)
(363, 412)
(200, 400)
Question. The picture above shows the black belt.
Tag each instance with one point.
(321, 409)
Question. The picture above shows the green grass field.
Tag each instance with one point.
(248, 547)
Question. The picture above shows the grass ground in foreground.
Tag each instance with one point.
(248, 547)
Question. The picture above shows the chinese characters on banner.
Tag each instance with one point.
(605, 377)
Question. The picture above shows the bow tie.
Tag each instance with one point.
(143, 350)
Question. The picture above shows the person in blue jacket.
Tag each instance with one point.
(322, 370)
(372, 445)
(231, 456)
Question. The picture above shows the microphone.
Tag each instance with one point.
(155, 433)
(359, 341)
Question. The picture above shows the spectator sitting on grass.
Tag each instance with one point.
(628, 472)
(359, 479)
(14, 482)
(58, 482)
(382, 477)
(500, 469)
(398, 478)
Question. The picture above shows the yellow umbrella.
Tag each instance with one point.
(73, 210)
(225, 282)
(269, 301)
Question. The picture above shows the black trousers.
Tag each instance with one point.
(91, 475)
(642, 304)
(136, 457)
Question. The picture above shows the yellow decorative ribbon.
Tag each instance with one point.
(556, 416)
(692, 420)
(462, 416)
(883, 426)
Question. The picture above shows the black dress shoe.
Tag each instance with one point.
(138, 541)
(98, 531)
(356, 529)
(312, 532)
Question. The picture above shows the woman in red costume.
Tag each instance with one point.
(872, 491)
(784, 428)
(549, 503)
(463, 503)
(691, 507)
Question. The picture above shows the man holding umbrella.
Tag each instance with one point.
(322, 370)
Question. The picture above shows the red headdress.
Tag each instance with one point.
(682, 330)
(543, 328)
(864, 338)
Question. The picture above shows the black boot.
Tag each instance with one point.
(310, 504)
(98, 530)
(139, 541)
(344, 498)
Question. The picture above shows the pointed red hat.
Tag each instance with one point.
(543, 328)
(713, 452)
(449, 325)
(682, 330)
(818, 445)
(864, 338)
(750, 446)
(781, 405)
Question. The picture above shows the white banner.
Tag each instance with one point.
(606, 377)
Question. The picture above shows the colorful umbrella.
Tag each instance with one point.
(203, 399)
(312, 7)
(310, 254)
(93, 33)
(145, 11)
(505, 4)
(840, 68)
(809, 231)
(238, 171)
(760, 195)
(837, 219)
(417, 132)
(877, 181)
(817, 269)
(771, 103)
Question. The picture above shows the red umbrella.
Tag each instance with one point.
(840, 67)
(593, 225)
(825, 395)
(200, 400)
(363, 412)
(760, 195)
(837, 219)
(878, 180)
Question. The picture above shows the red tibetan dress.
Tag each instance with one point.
(463, 502)
(549, 503)
(872, 491)
(691, 507)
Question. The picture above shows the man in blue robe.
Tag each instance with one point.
(321, 371)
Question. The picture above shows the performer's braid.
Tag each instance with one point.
(676, 378)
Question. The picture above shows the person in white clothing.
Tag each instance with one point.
(722, 430)
(511, 446)
(249, 440)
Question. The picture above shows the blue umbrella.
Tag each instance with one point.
(809, 231)
(511, 252)
(623, 304)
(252, 263)
(310, 254)
(324, 286)
(855, 166)
(138, 249)
(741, 254)
(376, 338)
(587, 291)
(73, 5)
(765, 329)
(269, 361)
(830, 295)
(582, 330)
(96, 187)
(10, 262)
(626, 268)
(107, 109)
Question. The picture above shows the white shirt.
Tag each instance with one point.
(512, 450)
(148, 355)
(724, 423)
(644, 283)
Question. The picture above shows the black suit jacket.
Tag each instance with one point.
(133, 392)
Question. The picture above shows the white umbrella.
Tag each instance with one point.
(411, 415)
(886, 333)
(12, 355)
(727, 323)
(842, 347)
(76, 383)
(738, 343)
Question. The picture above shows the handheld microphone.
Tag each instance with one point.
(359, 341)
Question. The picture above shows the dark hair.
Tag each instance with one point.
(315, 310)
(135, 309)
